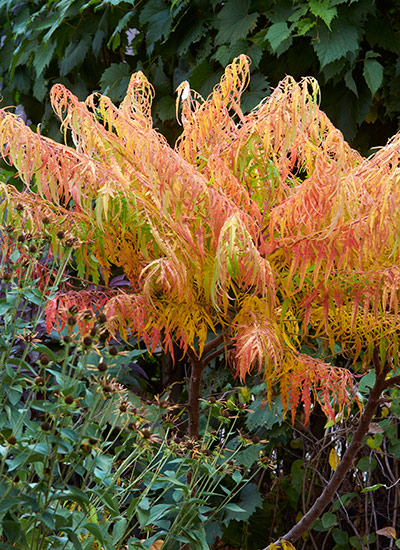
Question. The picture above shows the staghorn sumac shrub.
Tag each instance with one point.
(254, 237)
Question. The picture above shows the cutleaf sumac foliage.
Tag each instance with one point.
(254, 237)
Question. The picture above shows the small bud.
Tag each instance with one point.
(45, 426)
(68, 399)
(12, 440)
(102, 366)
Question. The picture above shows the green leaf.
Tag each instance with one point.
(157, 16)
(339, 536)
(96, 531)
(373, 487)
(234, 21)
(234, 508)
(74, 55)
(373, 74)
(119, 530)
(367, 464)
(43, 56)
(332, 45)
(277, 33)
(350, 82)
(328, 520)
(323, 10)
(114, 80)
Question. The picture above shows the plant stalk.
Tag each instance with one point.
(345, 464)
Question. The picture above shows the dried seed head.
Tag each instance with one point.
(44, 359)
(123, 407)
(104, 334)
(102, 366)
(67, 339)
(45, 220)
(93, 331)
(45, 426)
(189, 445)
(32, 249)
(87, 341)
(9, 229)
(39, 381)
(101, 318)
(113, 351)
(146, 433)
(87, 315)
(7, 276)
(211, 399)
(107, 388)
(19, 207)
(131, 426)
(60, 235)
(255, 439)
(21, 238)
(71, 321)
(73, 309)
(86, 448)
(11, 440)
(68, 399)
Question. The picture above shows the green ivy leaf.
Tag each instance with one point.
(332, 45)
(373, 74)
(234, 21)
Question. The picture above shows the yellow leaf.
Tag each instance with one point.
(387, 532)
(333, 459)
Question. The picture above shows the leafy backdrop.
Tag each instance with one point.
(351, 46)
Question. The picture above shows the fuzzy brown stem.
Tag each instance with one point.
(345, 464)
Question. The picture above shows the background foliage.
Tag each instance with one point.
(351, 46)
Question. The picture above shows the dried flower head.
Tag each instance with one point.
(11, 440)
(45, 426)
(69, 399)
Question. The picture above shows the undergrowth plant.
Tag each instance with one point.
(255, 237)
(84, 462)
